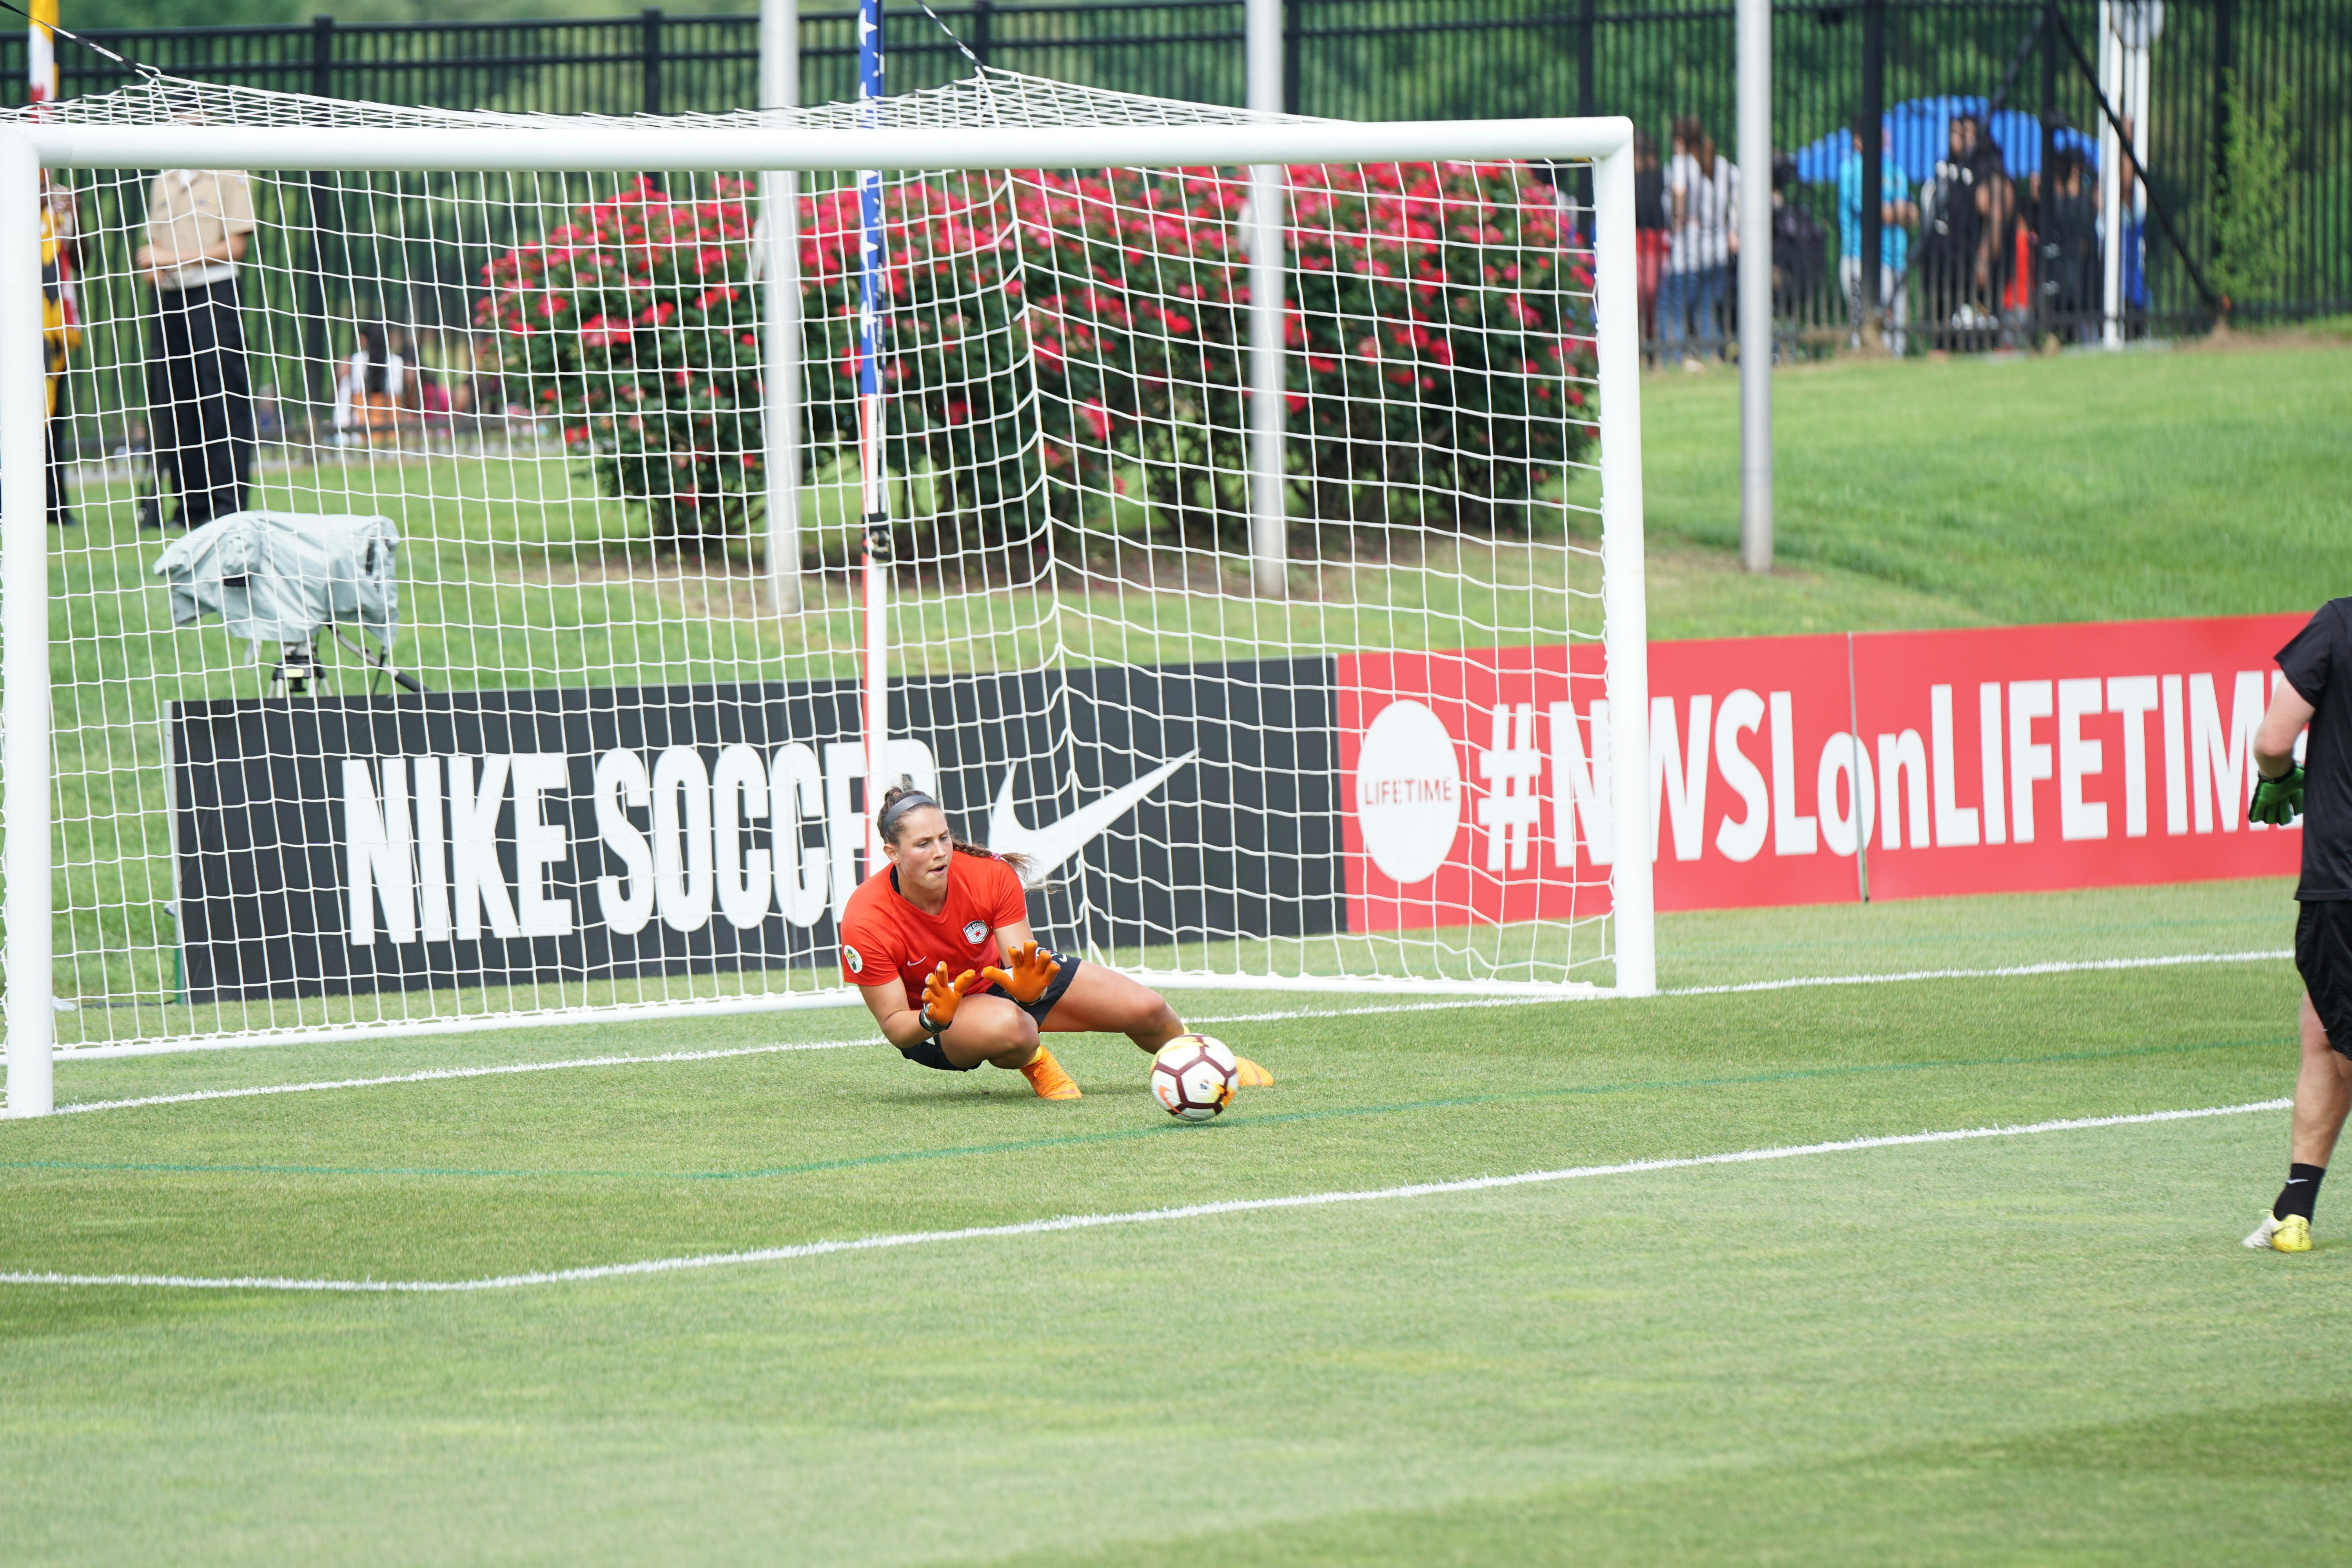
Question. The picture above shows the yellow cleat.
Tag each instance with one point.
(1047, 1077)
(2293, 1234)
(1247, 1074)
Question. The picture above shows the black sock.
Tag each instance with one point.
(2301, 1191)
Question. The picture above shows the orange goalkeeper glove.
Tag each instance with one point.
(941, 996)
(1028, 972)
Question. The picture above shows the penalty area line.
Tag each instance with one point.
(1136, 1216)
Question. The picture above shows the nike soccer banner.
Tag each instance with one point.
(530, 837)
(1808, 769)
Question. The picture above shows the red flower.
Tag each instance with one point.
(603, 333)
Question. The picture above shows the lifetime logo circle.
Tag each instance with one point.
(1408, 793)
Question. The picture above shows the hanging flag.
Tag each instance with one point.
(41, 53)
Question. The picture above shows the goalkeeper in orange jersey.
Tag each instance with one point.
(938, 941)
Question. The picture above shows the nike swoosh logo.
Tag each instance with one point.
(1055, 845)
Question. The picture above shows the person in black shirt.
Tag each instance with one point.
(2320, 789)
(2068, 226)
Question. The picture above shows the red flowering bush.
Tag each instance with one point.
(1048, 337)
(637, 327)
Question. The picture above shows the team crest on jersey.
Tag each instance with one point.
(974, 932)
(856, 959)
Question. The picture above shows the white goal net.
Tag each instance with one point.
(455, 608)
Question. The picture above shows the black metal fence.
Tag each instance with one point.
(1835, 62)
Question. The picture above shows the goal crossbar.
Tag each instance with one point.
(490, 143)
(493, 147)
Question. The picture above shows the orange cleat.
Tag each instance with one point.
(1047, 1077)
(1247, 1074)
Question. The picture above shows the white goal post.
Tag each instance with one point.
(1147, 595)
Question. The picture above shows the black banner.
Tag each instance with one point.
(520, 838)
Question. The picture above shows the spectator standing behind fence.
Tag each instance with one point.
(1649, 236)
(1797, 237)
(1895, 212)
(1705, 190)
(1951, 231)
(199, 399)
(2067, 220)
(60, 325)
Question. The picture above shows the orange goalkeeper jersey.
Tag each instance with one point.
(884, 937)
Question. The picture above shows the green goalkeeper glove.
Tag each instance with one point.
(2277, 800)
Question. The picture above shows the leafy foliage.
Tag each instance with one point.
(2249, 227)
(637, 326)
(1055, 342)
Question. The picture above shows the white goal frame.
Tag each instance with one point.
(25, 149)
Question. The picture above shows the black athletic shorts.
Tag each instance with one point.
(1053, 994)
(928, 1052)
(2322, 953)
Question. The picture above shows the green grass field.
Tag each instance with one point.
(2044, 1347)
(2040, 1347)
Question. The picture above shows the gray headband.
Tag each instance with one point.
(892, 813)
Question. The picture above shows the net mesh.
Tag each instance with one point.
(634, 776)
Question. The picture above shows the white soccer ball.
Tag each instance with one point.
(1193, 1077)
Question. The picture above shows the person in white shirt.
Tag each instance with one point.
(199, 395)
(1704, 192)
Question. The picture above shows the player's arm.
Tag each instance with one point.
(907, 1024)
(2278, 791)
(2275, 741)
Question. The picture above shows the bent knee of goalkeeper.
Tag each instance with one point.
(992, 1029)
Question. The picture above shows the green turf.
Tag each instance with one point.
(2032, 1350)
(2038, 1349)
(2080, 487)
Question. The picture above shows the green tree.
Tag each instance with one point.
(2249, 230)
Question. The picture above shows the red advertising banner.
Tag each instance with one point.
(1794, 769)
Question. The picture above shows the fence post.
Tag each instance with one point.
(1871, 132)
(2045, 275)
(2225, 60)
(983, 21)
(1588, 41)
(651, 47)
(318, 380)
(1294, 21)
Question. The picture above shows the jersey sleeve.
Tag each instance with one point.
(2308, 661)
(1008, 899)
(870, 954)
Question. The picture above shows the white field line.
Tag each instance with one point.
(2067, 966)
(2006, 972)
(433, 1075)
(1135, 1217)
(657, 1013)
